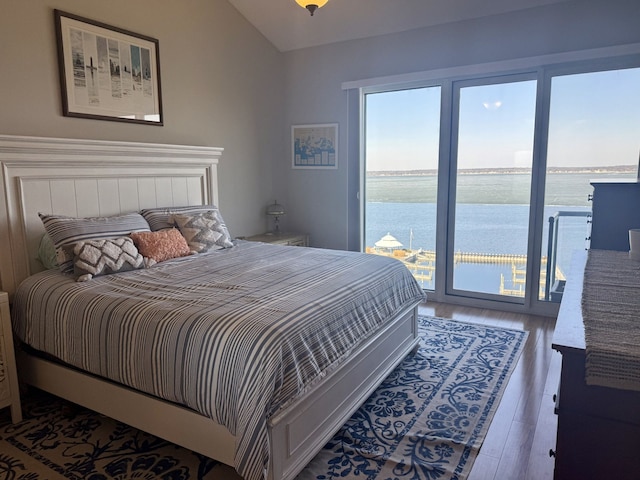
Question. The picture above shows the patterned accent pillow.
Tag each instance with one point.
(162, 245)
(160, 218)
(103, 257)
(203, 231)
(66, 231)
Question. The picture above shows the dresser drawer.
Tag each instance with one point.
(578, 397)
(590, 447)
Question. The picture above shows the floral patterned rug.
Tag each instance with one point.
(426, 421)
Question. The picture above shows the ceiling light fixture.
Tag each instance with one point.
(311, 5)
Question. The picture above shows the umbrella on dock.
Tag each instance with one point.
(388, 241)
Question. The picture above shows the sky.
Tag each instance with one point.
(594, 121)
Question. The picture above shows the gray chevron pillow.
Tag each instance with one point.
(203, 231)
(66, 231)
(103, 257)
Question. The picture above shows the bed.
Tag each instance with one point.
(273, 440)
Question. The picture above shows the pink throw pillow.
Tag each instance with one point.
(161, 245)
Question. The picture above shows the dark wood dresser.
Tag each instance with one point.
(615, 210)
(598, 427)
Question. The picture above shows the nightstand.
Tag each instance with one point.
(9, 393)
(294, 239)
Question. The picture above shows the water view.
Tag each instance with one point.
(405, 208)
(584, 124)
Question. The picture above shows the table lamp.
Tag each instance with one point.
(275, 210)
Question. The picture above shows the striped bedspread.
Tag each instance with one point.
(235, 334)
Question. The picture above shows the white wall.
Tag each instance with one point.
(317, 200)
(222, 85)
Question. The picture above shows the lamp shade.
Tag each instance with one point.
(311, 5)
(275, 209)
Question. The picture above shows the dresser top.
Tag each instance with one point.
(569, 331)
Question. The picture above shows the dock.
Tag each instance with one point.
(421, 263)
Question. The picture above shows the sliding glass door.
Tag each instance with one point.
(492, 158)
(594, 125)
(479, 185)
(401, 180)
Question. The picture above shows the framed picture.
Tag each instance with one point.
(315, 146)
(107, 73)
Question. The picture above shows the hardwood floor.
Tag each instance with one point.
(523, 429)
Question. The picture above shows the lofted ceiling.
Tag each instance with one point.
(289, 26)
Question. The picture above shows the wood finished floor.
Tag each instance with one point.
(523, 429)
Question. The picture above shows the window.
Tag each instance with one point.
(401, 181)
(593, 123)
(493, 156)
(479, 184)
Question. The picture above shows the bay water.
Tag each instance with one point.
(492, 217)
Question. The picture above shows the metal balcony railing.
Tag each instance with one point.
(554, 287)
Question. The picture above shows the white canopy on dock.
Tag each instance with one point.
(388, 241)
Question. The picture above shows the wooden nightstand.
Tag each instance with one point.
(9, 393)
(294, 239)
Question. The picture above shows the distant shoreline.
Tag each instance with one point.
(505, 171)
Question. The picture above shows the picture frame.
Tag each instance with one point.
(314, 146)
(107, 73)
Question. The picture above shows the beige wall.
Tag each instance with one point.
(221, 86)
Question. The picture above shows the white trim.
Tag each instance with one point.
(495, 67)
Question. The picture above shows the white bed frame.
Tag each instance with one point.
(98, 178)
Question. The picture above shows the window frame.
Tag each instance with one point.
(543, 69)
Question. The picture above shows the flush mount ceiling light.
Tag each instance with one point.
(311, 5)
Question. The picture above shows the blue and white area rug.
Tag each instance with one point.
(427, 421)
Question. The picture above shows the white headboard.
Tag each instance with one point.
(85, 178)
